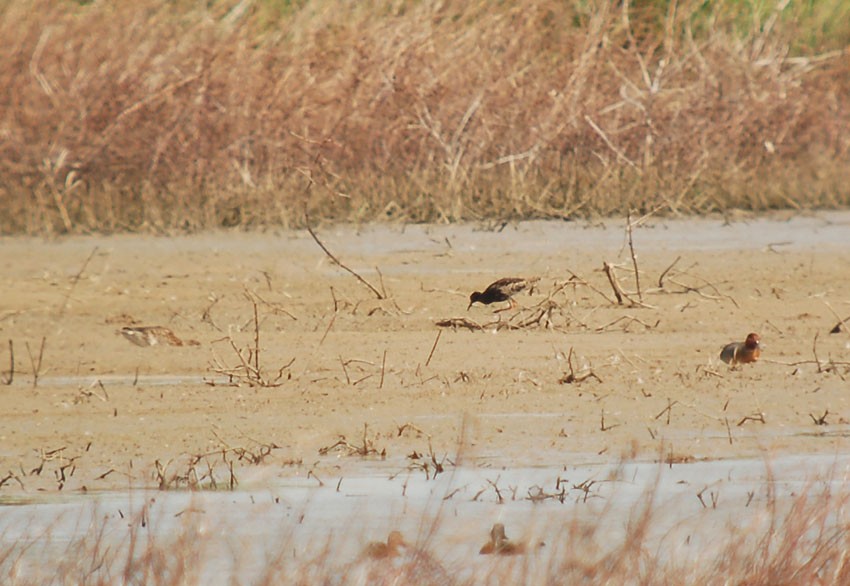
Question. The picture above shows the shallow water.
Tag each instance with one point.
(796, 233)
(781, 233)
(450, 516)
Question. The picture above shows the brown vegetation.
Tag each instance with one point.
(152, 116)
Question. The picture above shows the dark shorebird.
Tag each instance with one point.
(499, 543)
(742, 352)
(502, 290)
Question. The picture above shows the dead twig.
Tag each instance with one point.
(667, 270)
(74, 282)
(618, 290)
(434, 347)
(576, 280)
(668, 410)
(90, 392)
(830, 364)
(429, 464)
(328, 329)
(629, 320)
(276, 308)
(312, 474)
(633, 255)
(698, 289)
(9, 376)
(105, 474)
(406, 426)
(615, 285)
(200, 470)
(64, 466)
(36, 364)
(820, 420)
(495, 485)
(383, 368)
(338, 263)
(254, 456)
(759, 417)
(206, 315)
(249, 371)
(815, 351)
(344, 370)
(584, 488)
(11, 476)
(602, 425)
(825, 366)
(572, 377)
(540, 315)
(714, 497)
(381, 281)
(256, 337)
(841, 323)
(459, 322)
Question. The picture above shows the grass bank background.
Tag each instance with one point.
(152, 116)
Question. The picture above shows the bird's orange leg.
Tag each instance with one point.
(513, 305)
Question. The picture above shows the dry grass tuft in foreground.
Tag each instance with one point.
(159, 117)
(799, 539)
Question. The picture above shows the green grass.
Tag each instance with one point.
(174, 116)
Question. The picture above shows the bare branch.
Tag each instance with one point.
(337, 262)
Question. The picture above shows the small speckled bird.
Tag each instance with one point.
(742, 352)
(154, 336)
(502, 290)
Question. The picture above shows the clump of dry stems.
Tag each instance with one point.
(249, 369)
(183, 116)
(211, 470)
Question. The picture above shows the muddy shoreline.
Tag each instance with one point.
(106, 414)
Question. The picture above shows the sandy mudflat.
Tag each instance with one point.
(104, 411)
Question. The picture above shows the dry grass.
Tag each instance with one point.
(162, 117)
(800, 539)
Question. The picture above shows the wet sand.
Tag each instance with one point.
(104, 411)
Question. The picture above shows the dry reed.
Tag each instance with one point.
(153, 116)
